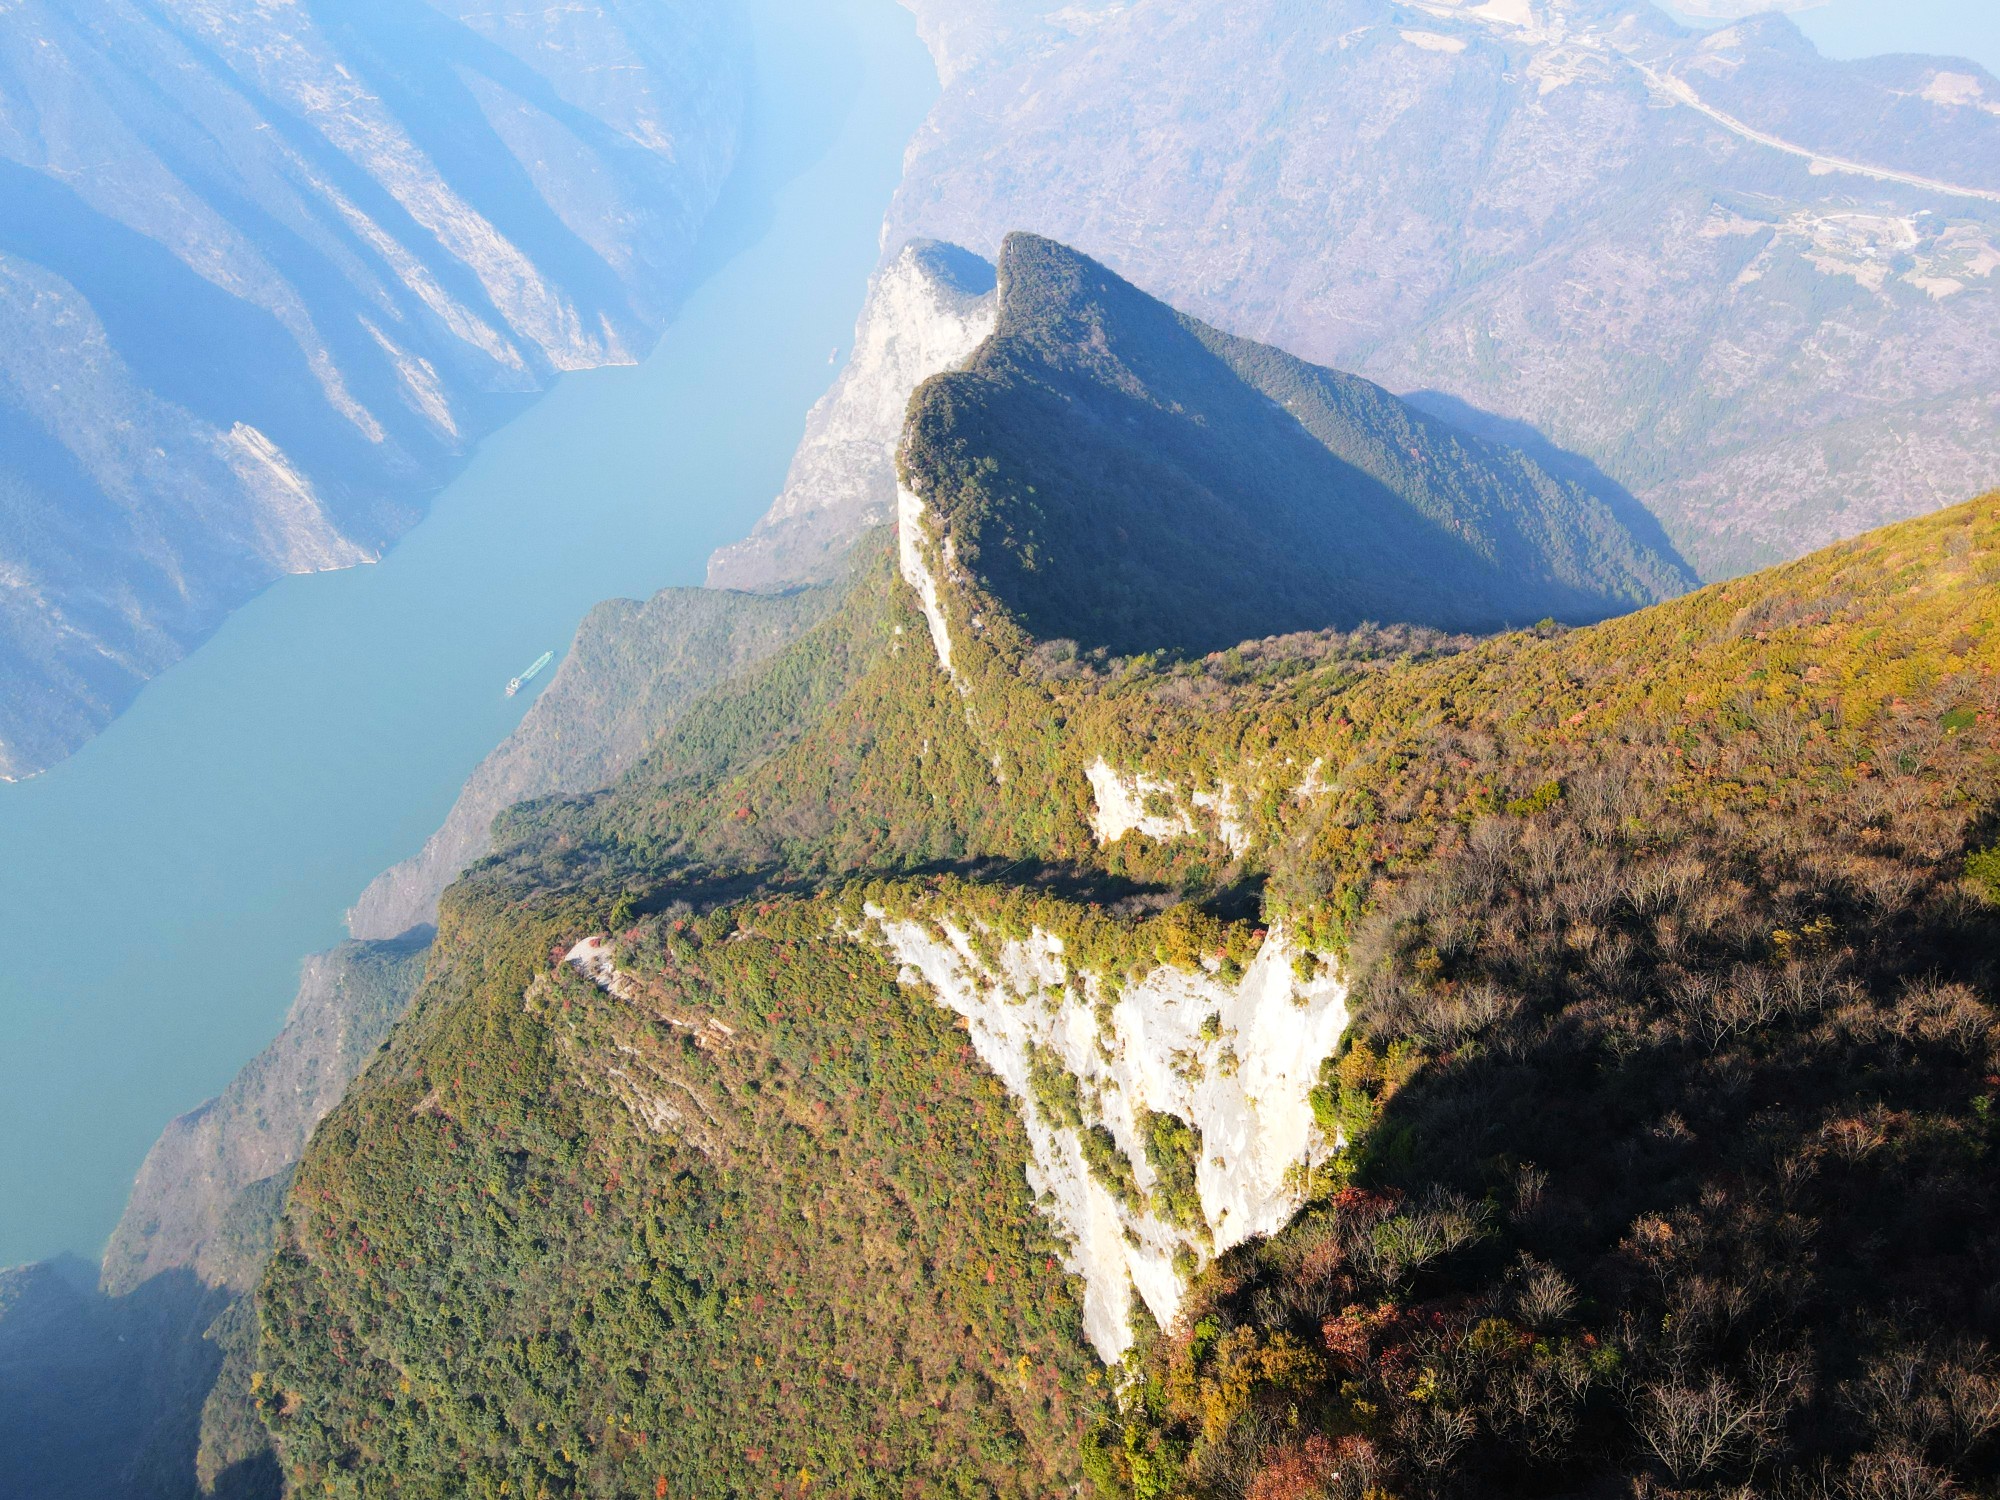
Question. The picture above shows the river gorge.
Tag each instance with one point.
(159, 888)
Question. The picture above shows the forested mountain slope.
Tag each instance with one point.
(633, 668)
(199, 1224)
(1120, 474)
(1669, 1096)
(1752, 286)
(266, 274)
(931, 1007)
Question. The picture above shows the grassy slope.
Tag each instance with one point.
(485, 1221)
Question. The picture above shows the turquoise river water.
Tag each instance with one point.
(158, 890)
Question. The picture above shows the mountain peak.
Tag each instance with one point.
(1116, 472)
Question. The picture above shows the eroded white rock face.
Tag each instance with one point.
(927, 310)
(594, 959)
(1134, 803)
(1235, 1061)
(916, 569)
(1222, 804)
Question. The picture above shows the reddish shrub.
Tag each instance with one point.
(1305, 1471)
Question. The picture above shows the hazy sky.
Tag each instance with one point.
(1857, 28)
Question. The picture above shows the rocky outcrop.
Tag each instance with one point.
(1751, 286)
(266, 275)
(926, 310)
(1228, 1062)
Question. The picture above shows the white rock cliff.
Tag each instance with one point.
(1236, 1061)
(926, 311)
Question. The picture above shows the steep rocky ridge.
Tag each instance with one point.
(266, 277)
(925, 312)
(1253, 1111)
(1118, 474)
(1771, 339)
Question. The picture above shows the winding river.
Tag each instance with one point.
(158, 889)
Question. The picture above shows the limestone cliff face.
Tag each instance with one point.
(266, 274)
(1226, 1062)
(926, 310)
(1230, 1061)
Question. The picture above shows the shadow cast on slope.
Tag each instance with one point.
(1790, 1206)
(1564, 463)
(257, 1478)
(102, 1396)
(1119, 474)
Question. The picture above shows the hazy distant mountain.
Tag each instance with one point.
(266, 272)
(1754, 287)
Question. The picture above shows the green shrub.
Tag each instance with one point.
(1055, 1089)
(1983, 870)
(1111, 1166)
(1540, 800)
(1173, 1147)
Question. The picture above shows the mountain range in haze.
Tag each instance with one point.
(267, 277)
(1745, 284)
